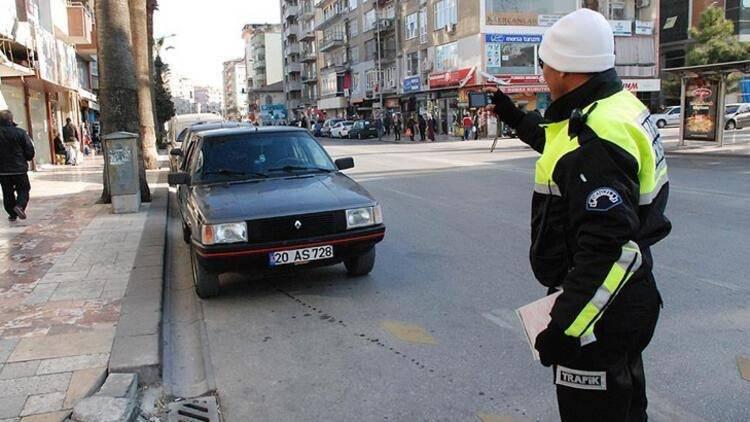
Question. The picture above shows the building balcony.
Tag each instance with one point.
(294, 67)
(310, 78)
(307, 12)
(332, 43)
(309, 56)
(331, 19)
(293, 48)
(292, 31)
(80, 23)
(259, 64)
(384, 25)
(307, 34)
(289, 11)
(291, 86)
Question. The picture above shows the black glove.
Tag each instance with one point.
(506, 110)
(555, 347)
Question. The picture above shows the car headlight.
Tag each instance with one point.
(364, 217)
(212, 234)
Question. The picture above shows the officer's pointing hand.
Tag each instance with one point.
(555, 347)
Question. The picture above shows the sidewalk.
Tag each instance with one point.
(64, 276)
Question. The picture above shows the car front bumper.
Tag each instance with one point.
(243, 257)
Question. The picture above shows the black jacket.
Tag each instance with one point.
(16, 150)
(574, 248)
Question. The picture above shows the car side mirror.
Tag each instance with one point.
(178, 178)
(345, 163)
(177, 152)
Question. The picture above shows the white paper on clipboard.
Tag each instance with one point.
(535, 318)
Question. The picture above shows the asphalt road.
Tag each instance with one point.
(431, 334)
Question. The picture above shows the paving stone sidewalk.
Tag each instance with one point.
(64, 273)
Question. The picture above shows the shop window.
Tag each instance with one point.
(511, 58)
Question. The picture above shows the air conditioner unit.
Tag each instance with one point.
(451, 28)
(642, 3)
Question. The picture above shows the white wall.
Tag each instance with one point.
(274, 58)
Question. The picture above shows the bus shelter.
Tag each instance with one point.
(702, 99)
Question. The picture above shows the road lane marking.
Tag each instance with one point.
(488, 417)
(743, 364)
(409, 333)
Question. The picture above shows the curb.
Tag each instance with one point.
(707, 154)
(137, 343)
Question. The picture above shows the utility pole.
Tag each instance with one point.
(380, 68)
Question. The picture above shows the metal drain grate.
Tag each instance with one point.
(202, 409)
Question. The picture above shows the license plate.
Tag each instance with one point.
(300, 256)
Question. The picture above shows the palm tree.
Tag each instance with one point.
(118, 92)
(143, 66)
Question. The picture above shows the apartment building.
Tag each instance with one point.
(48, 69)
(235, 90)
(292, 53)
(264, 61)
(183, 92)
(208, 99)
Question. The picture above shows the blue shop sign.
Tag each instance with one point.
(513, 38)
(412, 84)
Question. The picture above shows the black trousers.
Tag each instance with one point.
(16, 190)
(607, 382)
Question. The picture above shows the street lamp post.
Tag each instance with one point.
(380, 68)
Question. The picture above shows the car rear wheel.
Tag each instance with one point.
(360, 265)
(206, 283)
(731, 125)
(661, 123)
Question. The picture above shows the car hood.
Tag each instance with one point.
(279, 197)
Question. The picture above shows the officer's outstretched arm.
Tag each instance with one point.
(599, 182)
(525, 124)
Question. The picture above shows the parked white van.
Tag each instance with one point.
(178, 127)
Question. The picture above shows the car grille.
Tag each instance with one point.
(283, 228)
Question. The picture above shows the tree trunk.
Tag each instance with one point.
(139, 32)
(152, 6)
(118, 93)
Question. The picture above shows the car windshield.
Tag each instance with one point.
(732, 109)
(259, 156)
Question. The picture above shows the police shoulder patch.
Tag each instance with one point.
(603, 199)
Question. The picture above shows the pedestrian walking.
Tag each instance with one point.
(410, 127)
(431, 127)
(388, 124)
(61, 155)
(16, 150)
(397, 127)
(601, 189)
(467, 124)
(475, 126)
(422, 128)
(70, 137)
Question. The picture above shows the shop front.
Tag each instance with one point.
(444, 104)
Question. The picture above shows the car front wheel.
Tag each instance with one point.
(661, 123)
(731, 125)
(360, 265)
(185, 233)
(206, 283)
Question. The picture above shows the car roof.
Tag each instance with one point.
(250, 130)
(204, 126)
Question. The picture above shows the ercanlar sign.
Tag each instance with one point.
(513, 38)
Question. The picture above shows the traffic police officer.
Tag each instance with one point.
(600, 192)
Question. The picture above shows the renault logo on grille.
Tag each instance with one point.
(297, 224)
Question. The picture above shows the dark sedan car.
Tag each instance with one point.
(266, 198)
(363, 129)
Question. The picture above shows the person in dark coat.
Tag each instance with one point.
(16, 150)
(431, 127)
(422, 128)
(397, 127)
(411, 125)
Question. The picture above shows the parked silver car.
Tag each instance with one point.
(736, 116)
(669, 117)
